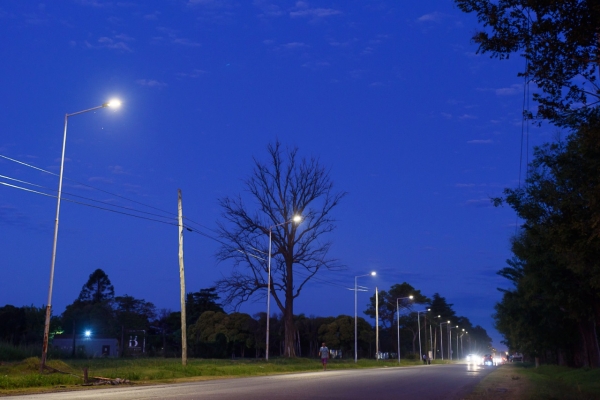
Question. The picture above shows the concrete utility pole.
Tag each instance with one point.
(182, 283)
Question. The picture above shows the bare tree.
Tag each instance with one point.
(279, 189)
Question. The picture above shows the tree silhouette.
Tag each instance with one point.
(97, 289)
(281, 188)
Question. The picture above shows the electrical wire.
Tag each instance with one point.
(74, 195)
(188, 228)
(86, 185)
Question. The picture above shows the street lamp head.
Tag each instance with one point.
(373, 273)
(88, 333)
(411, 297)
(297, 218)
(114, 103)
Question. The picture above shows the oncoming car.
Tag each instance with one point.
(488, 359)
(472, 358)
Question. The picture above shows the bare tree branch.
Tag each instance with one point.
(279, 189)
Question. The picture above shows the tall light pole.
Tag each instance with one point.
(296, 219)
(113, 104)
(356, 312)
(442, 338)
(419, 325)
(450, 340)
(398, 321)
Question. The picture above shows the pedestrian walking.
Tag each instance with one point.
(324, 353)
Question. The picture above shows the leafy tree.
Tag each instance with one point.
(559, 246)
(235, 330)
(339, 334)
(281, 188)
(198, 302)
(96, 317)
(97, 289)
(167, 326)
(132, 313)
(93, 308)
(388, 299)
(559, 40)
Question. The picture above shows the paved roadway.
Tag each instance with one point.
(424, 382)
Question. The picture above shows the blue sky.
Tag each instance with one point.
(415, 126)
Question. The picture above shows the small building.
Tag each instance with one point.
(90, 346)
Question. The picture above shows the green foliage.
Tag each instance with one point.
(559, 40)
(198, 302)
(132, 313)
(556, 268)
(388, 300)
(97, 289)
(219, 334)
(555, 382)
(339, 334)
(22, 325)
(26, 375)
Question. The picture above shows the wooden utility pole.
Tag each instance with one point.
(182, 283)
(376, 324)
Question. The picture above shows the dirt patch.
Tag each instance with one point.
(504, 383)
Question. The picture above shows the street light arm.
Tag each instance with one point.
(112, 103)
(88, 110)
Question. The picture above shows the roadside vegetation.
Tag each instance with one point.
(555, 268)
(24, 376)
(522, 381)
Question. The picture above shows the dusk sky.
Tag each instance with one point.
(390, 95)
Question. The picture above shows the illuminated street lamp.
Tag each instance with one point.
(398, 321)
(113, 104)
(355, 314)
(296, 219)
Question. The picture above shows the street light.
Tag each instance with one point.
(462, 351)
(419, 326)
(113, 104)
(450, 340)
(355, 313)
(296, 219)
(442, 338)
(398, 321)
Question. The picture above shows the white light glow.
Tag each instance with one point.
(114, 103)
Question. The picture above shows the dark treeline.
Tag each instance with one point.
(213, 333)
(552, 313)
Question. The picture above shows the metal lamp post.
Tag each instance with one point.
(442, 338)
(419, 326)
(450, 340)
(355, 314)
(112, 104)
(462, 351)
(398, 321)
(296, 219)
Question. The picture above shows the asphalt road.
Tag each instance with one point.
(426, 382)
